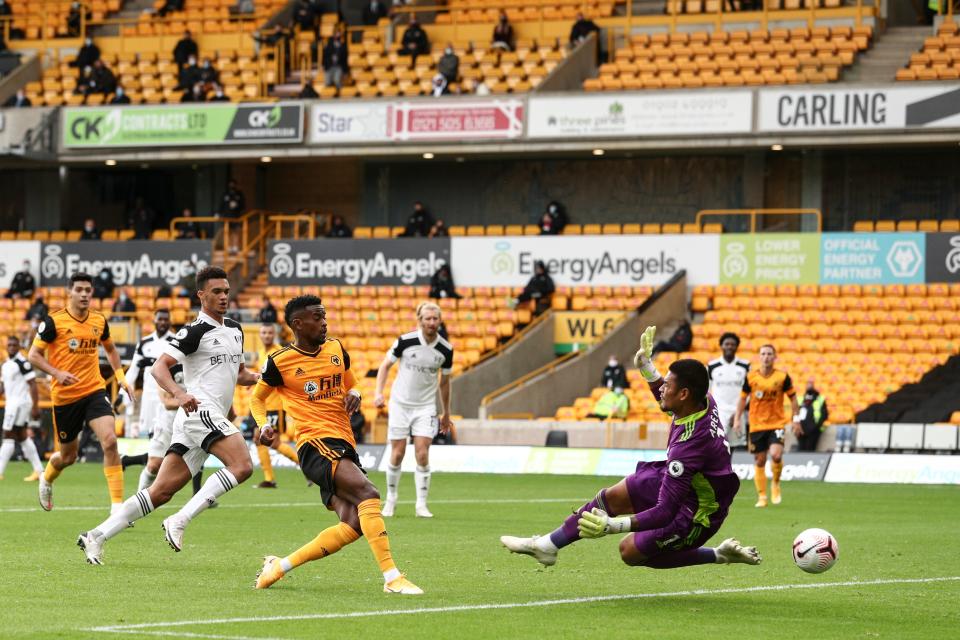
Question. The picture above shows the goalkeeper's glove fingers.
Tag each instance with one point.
(645, 352)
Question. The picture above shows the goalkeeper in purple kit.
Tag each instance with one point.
(669, 508)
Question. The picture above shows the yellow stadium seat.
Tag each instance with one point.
(690, 227)
(949, 226)
(531, 230)
(713, 227)
(513, 230)
(671, 227)
(885, 225)
(572, 230)
(928, 226)
(611, 229)
(476, 230)
(457, 230)
(631, 228)
(591, 229)
(651, 227)
(863, 226)
(495, 230)
(381, 232)
(906, 225)
(363, 232)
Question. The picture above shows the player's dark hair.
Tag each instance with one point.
(691, 374)
(772, 348)
(161, 310)
(14, 337)
(731, 335)
(207, 274)
(80, 276)
(299, 304)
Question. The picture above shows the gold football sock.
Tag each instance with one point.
(51, 473)
(330, 540)
(777, 468)
(264, 454)
(288, 452)
(760, 479)
(375, 531)
(114, 483)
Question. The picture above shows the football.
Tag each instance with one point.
(815, 550)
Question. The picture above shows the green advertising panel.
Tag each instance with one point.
(775, 258)
(181, 125)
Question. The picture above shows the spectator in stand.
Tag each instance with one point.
(271, 38)
(614, 375)
(189, 74)
(502, 34)
(335, 61)
(120, 97)
(103, 285)
(141, 220)
(548, 226)
(559, 215)
(23, 284)
(679, 342)
(233, 204)
(414, 42)
(267, 313)
(582, 29)
(5, 9)
(813, 414)
(169, 7)
(197, 94)
(612, 404)
(90, 231)
(100, 80)
(540, 289)
(75, 19)
(218, 95)
(188, 230)
(184, 49)
(339, 228)
(449, 64)
(438, 230)
(187, 287)
(234, 312)
(18, 100)
(304, 16)
(419, 222)
(373, 12)
(38, 310)
(441, 283)
(208, 73)
(123, 304)
(439, 86)
(87, 55)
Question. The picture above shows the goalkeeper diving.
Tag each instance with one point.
(670, 508)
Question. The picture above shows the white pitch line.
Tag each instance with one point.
(143, 628)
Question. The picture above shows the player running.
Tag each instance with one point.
(67, 348)
(766, 387)
(18, 383)
(413, 402)
(727, 375)
(269, 346)
(211, 353)
(669, 508)
(317, 387)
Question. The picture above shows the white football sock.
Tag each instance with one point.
(6, 452)
(393, 482)
(30, 453)
(146, 479)
(421, 478)
(134, 508)
(215, 486)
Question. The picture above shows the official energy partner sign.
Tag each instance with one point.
(182, 125)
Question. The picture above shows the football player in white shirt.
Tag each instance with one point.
(727, 375)
(18, 383)
(413, 401)
(211, 352)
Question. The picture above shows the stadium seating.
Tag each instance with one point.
(533, 230)
(734, 58)
(938, 60)
(48, 18)
(923, 226)
(860, 343)
(474, 11)
(203, 16)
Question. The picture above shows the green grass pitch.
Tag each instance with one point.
(898, 575)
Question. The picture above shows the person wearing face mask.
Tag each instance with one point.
(185, 48)
(87, 55)
(415, 42)
(612, 404)
(189, 74)
(90, 231)
(335, 61)
(120, 97)
(218, 95)
(23, 284)
(208, 73)
(103, 284)
(614, 375)
(122, 305)
(503, 34)
(540, 289)
(449, 64)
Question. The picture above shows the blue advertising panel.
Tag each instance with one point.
(872, 258)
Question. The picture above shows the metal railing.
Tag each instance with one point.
(753, 215)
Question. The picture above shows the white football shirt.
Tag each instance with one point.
(417, 381)
(147, 352)
(211, 354)
(726, 381)
(16, 374)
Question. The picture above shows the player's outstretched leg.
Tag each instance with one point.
(644, 549)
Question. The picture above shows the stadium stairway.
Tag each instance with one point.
(889, 53)
(933, 399)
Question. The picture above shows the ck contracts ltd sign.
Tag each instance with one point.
(584, 260)
(824, 109)
(134, 262)
(400, 261)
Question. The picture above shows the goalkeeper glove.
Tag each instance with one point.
(643, 358)
(596, 524)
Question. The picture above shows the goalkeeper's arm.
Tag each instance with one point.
(643, 360)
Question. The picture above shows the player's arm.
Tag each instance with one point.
(445, 387)
(269, 379)
(643, 360)
(46, 334)
(168, 401)
(161, 373)
(136, 364)
(388, 360)
(352, 398)
(34, 398)
(246, 378)
(741, 405)
(113, 357)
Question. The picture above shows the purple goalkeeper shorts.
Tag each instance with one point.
(643, 486)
